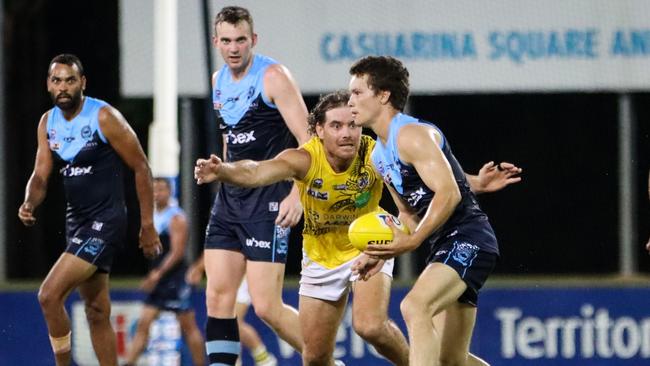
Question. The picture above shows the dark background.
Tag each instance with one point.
(562, 218)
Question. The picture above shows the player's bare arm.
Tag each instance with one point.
(124, 141)
(419, 146)
(494, 177)
(178, 235)
(37, 185)
(289, 164)
(283, 91)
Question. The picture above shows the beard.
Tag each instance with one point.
(67, 102)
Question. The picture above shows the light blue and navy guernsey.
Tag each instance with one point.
(252, 128)
(404, 179)
(172, 291)
(92, 178)
(161, 220)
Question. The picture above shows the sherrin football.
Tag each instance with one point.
(372, 228)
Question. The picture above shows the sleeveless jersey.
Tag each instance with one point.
(404, 179)
(92, 171)
(331, 201)
(252, 128)
(161, 220)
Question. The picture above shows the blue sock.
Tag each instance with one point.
(222, 341)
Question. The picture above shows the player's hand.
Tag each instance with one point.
(206, 170)
(150, 242)
(150, 281)
(647, 246)
(194, 275)
(492, 178)
(401, 243)
(290, 210)
(26, 214)
(366, 267)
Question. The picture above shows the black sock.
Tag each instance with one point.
(222, 341)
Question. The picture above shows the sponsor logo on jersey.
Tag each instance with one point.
(68, 139)
(416, 196)
(323, 196)
(240, 138)
(76, 171)
(340, 187)
(273, 207)
(317, 183)
(252, 242)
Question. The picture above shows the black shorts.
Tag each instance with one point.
(91, 246)
(261, 241)
(464, 254)
(172, 293)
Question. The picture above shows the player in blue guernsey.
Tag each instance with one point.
(435, 200)
(165, 284)
(88, 142)
(260, 110)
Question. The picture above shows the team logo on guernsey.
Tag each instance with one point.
(464, 253)
(86, 132)
(282, 232)
(93, 246)
(251, 91)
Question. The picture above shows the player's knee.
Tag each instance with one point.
(265, 311)
(413, 309)
(315, 356)
(97, 313)
(47, 298)
(215, 300)
(369, 328)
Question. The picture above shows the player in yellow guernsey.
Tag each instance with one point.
(332, 200)
(337, 184)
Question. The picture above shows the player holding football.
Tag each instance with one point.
(437, 203)
(337, 184)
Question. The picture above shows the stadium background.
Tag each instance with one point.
(562, 126)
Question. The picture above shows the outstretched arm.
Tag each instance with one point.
(36, 188)
(124, 141)
(291, 163)
(492, 178)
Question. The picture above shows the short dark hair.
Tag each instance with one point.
(325, 103)
(385, 73)
(233, 15)
(163, 180)
(67, 59)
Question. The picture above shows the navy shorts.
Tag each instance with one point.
(463, 253)
(89, 244)
(261, 241)
(171, 293)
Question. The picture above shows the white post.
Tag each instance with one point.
(163, 132)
